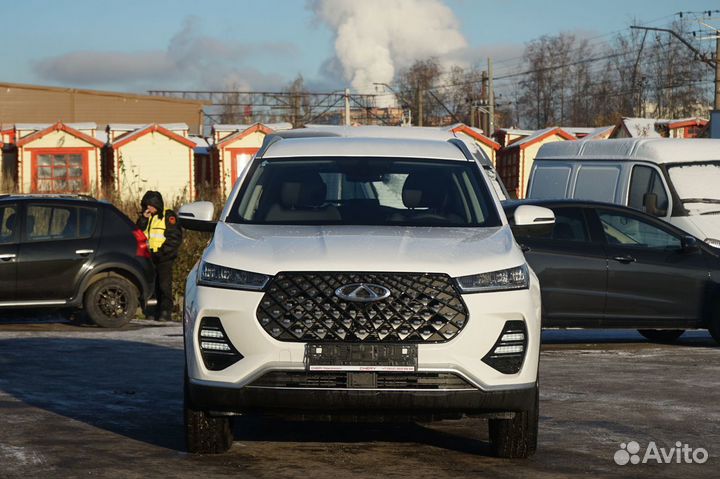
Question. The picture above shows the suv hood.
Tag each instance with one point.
(270, 249)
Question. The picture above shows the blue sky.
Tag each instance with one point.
(137, 45)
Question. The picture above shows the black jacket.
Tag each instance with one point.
(173, 233)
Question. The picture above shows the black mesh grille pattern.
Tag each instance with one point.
(340, 380)
(421, 308)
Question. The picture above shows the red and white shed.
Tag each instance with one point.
(151, 157)
(58, 158)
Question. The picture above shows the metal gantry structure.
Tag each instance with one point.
(298, 108)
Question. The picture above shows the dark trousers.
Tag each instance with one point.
(163, 289)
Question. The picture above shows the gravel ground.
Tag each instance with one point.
(78, 401)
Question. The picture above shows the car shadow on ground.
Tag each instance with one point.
(135, 389)
(438, 434)
(126, 387)
(603, 337)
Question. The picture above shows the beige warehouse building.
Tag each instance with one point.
(21, 103)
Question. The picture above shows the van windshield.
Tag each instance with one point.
(697, 185)
(364, 191)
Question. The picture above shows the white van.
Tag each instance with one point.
(677, 180)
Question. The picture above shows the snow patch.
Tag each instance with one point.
(20, 455)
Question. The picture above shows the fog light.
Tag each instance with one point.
(211, 333)
(513, 337)
(215, 346)
(509, 349)
(508, 353)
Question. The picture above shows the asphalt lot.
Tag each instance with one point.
(84, 402)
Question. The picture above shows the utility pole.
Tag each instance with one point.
(717, 73)
(420, 93)
(347, 107)
(491, 99)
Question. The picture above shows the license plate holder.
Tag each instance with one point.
(369, 357)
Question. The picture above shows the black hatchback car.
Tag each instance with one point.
(72, 252)
(607, 266)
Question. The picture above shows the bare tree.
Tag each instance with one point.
(414, 84)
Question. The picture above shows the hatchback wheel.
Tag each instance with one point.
(111, 302)
(661, 335)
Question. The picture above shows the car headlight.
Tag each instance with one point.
(224, 277)
(713, 242)
(502, 280)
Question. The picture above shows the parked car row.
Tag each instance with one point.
(354, 276)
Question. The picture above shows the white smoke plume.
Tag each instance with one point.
(376, 38)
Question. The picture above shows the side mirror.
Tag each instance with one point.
(531, 215)
(197, 216)
(650, 204)
(689, 244)
(531, 221)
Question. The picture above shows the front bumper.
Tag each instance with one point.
(261, 354)
(349, 403)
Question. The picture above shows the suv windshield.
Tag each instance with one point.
(697, 184)
(364, 191)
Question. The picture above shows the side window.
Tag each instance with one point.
(8, 223)
(45, 222)
(597, 183)
(570, 225)
(626, 230)
(550, 182)
(645, 180)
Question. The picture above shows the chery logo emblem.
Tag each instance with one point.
(362, 292)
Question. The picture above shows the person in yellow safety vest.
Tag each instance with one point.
(164, 237)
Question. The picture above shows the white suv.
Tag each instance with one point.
(360, 277)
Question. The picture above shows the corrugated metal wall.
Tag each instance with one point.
(37, 104)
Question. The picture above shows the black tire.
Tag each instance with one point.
(516, 437)
(111, 302)
(661, 335)
(205, 434)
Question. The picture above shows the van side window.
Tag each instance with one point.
(644, 180)
(550, 182)
(597, 183)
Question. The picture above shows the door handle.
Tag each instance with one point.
(625, 259)
(84, 252)
(7, 257)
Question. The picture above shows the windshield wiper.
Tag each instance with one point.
(715, 212)
(701, 200)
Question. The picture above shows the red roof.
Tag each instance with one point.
(541, 135)
(477, 136)
(123, 140)
(682, 123)
(59, 126)
(238, 135)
